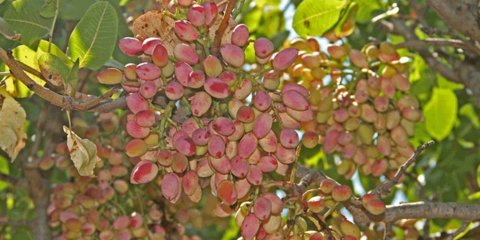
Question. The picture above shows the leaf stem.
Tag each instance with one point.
(52, 28)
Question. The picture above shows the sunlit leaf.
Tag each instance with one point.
(53, 68)
(273, 21)
(93, 39)
(253, 18)
(83, 153)
(5, 170)
(46, 46)
(346, 25)
(314, 17)
(444, 83)
(28, 57)
(441, 113)
(12, 122)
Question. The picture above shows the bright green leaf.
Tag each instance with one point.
(346, 25)
(441, 113)
(253, 18)
(45, 46)
(272, 22)
(5, 170)
(93, 39)
(29, 57)
(24, 16)
(262, 3)
(315, 17)
(444, 83)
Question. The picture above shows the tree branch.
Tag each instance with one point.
(65, 102)
(438, 42)
(460, 15)
(432, 210)
(417, 210)
(396, 26)
(390, 183)
(217, 41)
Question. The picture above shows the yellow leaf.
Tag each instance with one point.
(83, 152)
(12, 122)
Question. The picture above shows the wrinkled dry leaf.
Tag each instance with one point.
(156, 24)
(83, 152)
(12, 122)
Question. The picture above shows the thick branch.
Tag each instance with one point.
(416, 210)
(460, 15)
(433, 210)
(65, 102)
(438, 42)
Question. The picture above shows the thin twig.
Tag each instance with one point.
(459, 231)
(389, 184)
(223, 26)
(52, 28)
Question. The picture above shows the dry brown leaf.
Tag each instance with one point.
(83, 152)
(156, 24)
(12, 122)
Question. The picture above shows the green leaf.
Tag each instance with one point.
(315, 17)
(366, 9)
(49, 8)
(7, 31)
(444, 83)
(253, 18)
(272, 22)
(441, 113)
(262, 3)
(468, 111)
(45, 46)
(24, 16)
(72, 76)
(53, 67)
(93, 39)
(5, 170)
(478, 175)
(346, 25)
(74, 9)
